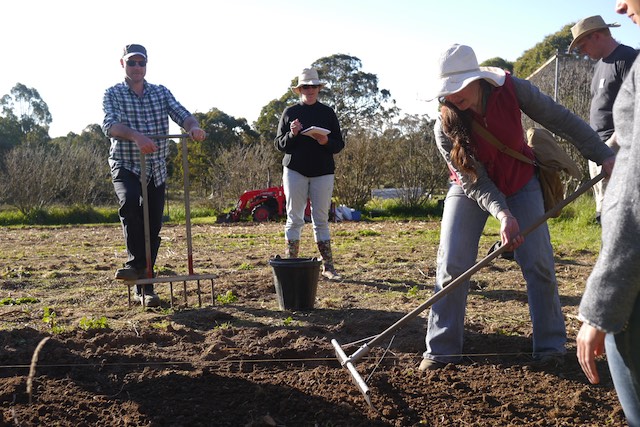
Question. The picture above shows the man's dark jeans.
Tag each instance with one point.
(129, 193)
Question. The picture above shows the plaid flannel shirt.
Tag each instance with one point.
(149, 115)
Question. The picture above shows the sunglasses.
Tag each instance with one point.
(310, 86)
(132, 63)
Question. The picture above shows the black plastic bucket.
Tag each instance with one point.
(296, 281)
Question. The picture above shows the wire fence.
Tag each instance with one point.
(567, 79)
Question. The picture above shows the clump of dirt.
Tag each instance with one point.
(248, 363)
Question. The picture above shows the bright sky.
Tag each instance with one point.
(238, 55)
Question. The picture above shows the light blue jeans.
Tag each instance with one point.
(297, 189)
(623, 357)
(462, 224)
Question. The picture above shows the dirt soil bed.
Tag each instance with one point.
(248, 363)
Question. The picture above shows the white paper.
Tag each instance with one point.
(316, 130)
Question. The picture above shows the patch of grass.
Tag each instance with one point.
(576, 229)
(414, 291)
(240, 236)
(288, 321)
(393, 209)
(11, 217)
(177, 214)
(88, 323)
(224, 325)
(245, 266)
(365, 233)
(59, 215)
(18, 301)
(161, 325)
(226, 298)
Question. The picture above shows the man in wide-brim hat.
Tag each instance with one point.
(592, 37)
(586, 27)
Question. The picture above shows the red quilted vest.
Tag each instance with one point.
(503, 119)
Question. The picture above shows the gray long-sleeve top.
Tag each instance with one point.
(614, 283)
(543, 110)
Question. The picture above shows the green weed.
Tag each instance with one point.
(413, 292)
(224, 325)
(368, 233)
(50, 317)
(227, 298)
(162, 325)
(87, 323)
(18, 301)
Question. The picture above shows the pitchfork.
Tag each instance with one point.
(147, 234)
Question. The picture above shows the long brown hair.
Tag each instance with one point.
(456, 125)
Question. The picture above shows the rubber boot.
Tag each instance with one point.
(292, 249)
(328, 270)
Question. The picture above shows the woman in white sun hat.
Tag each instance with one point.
(308, 171)
(485, 181)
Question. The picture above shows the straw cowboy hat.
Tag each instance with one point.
(457, 67)
(587, 26)
(309, 76)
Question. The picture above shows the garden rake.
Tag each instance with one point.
(349, 361)
(191, 276)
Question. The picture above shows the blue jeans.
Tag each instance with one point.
(462, 224)
(623, 357)
(297, 189)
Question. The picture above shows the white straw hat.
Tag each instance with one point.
(309, 76)
(457, 67)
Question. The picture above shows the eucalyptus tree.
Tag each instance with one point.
(10, 133)
(534, 58)
(25, 105)
(498, 62)
(352, 93)
(224, 133)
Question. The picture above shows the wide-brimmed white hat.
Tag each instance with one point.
(587, 26)
(308, 76)
(457, 67)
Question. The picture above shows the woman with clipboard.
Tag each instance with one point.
(309, 135)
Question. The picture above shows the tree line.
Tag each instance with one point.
(384, 148)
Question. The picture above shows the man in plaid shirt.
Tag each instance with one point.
(132, 110)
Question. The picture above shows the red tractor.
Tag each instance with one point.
(263, 205)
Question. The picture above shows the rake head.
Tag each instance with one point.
(347, 362)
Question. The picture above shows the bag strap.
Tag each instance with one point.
(484, 132)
